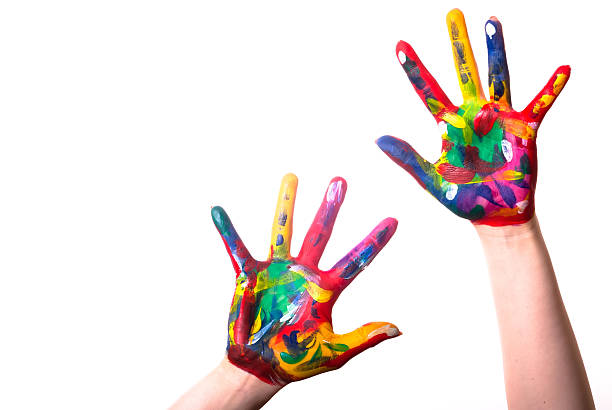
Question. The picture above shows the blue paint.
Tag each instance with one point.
(498, 66)
(282, 218)
(405, 156)
(507, 194)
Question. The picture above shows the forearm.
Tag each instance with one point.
(227, 387)
(542, 363)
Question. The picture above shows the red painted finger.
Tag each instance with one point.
(539, 106)
(423, 82)
(323, 224)
(347, 268)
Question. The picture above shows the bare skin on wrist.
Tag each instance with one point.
(227, 387)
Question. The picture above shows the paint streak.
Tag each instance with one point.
(279, 326)
(487, 171)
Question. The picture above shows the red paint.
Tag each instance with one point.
(485, 119)
(320, 231)
(455, 174)
(547, 90)
(473, 162)
(447, 145)
(229, 252)
(242, 327)
(432, 89)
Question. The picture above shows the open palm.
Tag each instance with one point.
(280, 325)
(488, 168)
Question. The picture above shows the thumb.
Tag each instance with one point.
(360, 339)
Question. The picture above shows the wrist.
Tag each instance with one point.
(227, 387)
(508, 233)
(242, 388)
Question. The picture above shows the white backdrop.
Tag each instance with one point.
(123, 122)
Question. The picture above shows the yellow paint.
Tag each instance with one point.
(256, 324)
(508, 175)
(230, 330)
(559, 83)
(284, 206)
(264, 282)
(454, 119)
(434, 106)
(512, 175)
(519, 128)
(504, 105)
(543, 102)
(318, 293)
(472, 89)
(321, 338)
(506, 212)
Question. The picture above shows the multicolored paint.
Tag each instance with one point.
(488, 167)
(280, 325)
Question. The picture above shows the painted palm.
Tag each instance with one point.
(280, 325)
(488, 167)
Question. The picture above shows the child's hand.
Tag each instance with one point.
(280, 326)
(488, 168)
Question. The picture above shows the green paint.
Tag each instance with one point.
(488, 145)
(434, 105)
(276, 289)
(476, 213)
(525, 168)
(337, 347)
(287, 358)
(317, 355)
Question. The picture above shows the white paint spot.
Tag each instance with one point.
(402, 57)
(443, 127)
(522, 205)
(507, 150)
(490, 28)
(451, 192)
(334, 192)
(290, 313)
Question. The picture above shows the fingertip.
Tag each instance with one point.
(391, 225)
(338, 179)
(454, 15)
(387, 330)
(220, 219)
(393, 147)
(393, 222)
(566, 69)
(217, 213)
(336, 190)
(290, 178)
(403, 46)
(385, 142)
(405, 52)
(394, 332)
(492, 27)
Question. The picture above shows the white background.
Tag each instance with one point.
(123, 122)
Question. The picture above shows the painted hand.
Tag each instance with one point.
(488, 167)
(280, 325)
